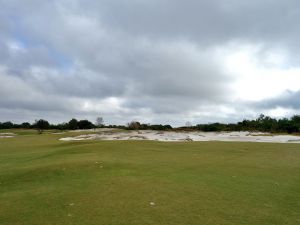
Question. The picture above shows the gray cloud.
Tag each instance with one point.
(289, 99)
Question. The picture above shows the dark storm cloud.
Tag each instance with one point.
(155, 56)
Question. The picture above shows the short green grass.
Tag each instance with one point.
(44, 181)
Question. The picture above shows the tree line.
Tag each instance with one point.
(42, 124)
(262, 123)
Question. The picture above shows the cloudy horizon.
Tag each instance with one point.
(155, 61)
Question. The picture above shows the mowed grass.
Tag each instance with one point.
(44, 181)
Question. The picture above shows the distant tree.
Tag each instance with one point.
(7, 125)
(134, 125)
(99, 122)
(286, 125)
(25, 125)
(213, 127)
(261, 118)
(73, 124)
(61, 126)
(85, 124)
(296, 121)
(41, 125)
(168, 127)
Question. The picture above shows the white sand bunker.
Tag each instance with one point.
(174, 136)
(7, 135)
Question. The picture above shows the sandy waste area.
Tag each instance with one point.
(174, 136)
(7, 135)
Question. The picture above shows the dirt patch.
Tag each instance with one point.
(7, 135)
(170, 136)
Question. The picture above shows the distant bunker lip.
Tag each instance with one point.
(7, 135)
(171, 136)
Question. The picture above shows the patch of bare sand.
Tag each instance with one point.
(7, 135)
(173, 136)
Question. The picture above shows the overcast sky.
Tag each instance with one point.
(156, 61)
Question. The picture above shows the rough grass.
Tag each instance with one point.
(44, 181)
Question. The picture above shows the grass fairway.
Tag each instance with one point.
(44, 181)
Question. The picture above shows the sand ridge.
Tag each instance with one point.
(7, 135)
(176, 136)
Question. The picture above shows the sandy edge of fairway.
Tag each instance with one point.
(174, 136)
(7, 135)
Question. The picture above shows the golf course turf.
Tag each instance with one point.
(44, 181)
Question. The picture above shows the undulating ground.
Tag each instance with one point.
(44, 181)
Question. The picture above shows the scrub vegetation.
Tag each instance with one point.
(262, 123)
